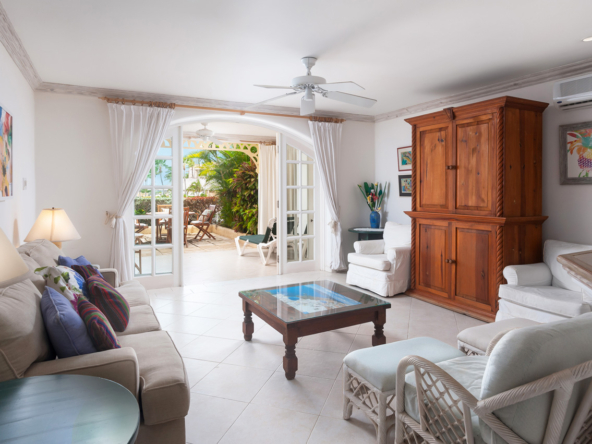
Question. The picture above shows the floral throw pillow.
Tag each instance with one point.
(65, 281)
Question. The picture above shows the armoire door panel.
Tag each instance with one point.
(434, 154)
(474, 150)
(473, 247)
(432, 243)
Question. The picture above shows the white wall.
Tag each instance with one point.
(569, 207)
(18, 214)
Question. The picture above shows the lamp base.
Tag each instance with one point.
(57, 244)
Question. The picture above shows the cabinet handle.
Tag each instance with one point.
(450, 261)
(451, 167)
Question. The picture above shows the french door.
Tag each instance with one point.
(299, 247)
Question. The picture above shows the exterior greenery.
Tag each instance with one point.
(245, 191)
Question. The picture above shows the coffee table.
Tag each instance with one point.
(309, 308)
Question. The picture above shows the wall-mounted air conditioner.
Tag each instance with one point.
(573, 93)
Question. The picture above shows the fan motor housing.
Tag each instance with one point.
(307, 80)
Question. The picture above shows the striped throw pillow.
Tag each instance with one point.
(86, 271)
(98, 327)
(109, 301)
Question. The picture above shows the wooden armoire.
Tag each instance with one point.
(476, 201)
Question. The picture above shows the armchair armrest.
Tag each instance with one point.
(369, 247)
(528, 275)
(118, 365)
(111, 275)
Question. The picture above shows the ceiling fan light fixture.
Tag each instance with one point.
(308, 94)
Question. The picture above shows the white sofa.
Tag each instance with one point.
(382, 265)
(543, 292)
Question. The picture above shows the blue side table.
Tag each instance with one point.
(67, 409)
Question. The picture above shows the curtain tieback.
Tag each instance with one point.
(333, 224)
(110, 218)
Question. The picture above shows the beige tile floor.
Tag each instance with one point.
(238, 390)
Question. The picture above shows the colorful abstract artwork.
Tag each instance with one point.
(405, 185)
(576, 156)
(405, 158)
(6, 154)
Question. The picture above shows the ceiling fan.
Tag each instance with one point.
(311, 85)
(207, 135)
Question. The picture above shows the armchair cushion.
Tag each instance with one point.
(549, 299)
(374, 261)
(553, 249)
(369, 247)
(378, 365)
(531, 274)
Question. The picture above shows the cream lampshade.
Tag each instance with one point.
(54, 225)
(12, 267)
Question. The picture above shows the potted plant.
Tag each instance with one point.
(374, 194)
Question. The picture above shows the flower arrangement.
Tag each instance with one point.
(374, 194)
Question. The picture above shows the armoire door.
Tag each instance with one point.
(473, 265)
(475, 161)
(434, 154)
(432, 252)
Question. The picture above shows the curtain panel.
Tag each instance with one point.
(326, 138)
(136, 135)
(268, 185)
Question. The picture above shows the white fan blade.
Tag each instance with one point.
(341, 86)
(222, 138)
(216, 141)
(274, 98)
(350, 98)
(274, 87)
(307, 106)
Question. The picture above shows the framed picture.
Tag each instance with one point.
(6, 153)
(575, 154)
(405, 185)
(405, 159)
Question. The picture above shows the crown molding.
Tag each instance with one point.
(17, 51)
(561, 72)
(61, 88)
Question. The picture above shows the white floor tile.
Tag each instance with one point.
(210, 418)
(197, 369)
(356, 430)
(210, 349)
(192, 325)
(233, 382)
(252, 354)
(331, 341)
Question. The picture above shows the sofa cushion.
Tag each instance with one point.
(478, 338)
(528, 354)
(23, 339)
(43, 251)
(553, 249)
(65, 281)
(375, 261)
(37, 280)
(66, 329)
(134, 293)
(378, 365)
(99, 329)
(164, 386)
(396, 235)
(111, 303)
(550, 299)
(142, 319)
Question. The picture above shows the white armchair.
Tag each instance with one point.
(383, 265)
(543, 292)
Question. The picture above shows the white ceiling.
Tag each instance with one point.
(403, 52)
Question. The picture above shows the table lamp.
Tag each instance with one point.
(12, 267)
(54, 225)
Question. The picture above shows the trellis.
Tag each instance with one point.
(250, 149)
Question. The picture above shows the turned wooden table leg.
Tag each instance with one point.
(290, 359)
(378, 338)
(248, 326)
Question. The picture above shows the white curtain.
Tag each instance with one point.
(136, 135)
(326, 138)
(267, 185)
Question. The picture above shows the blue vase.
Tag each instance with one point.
(374, 219)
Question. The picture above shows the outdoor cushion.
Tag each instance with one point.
(23, 339)
(253, 238)
(396, 235)
(134, 293)
(100, 331)
(142, 319)
(43, 251)
(528, 354)
(65, 281)
(553, 249)
(378, 365)
(375, 261)
(111, 303)
(65, 327)
(550, 299)
(164, 385)
(478, 338)
(467, 371)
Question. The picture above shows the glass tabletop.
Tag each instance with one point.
(314, 299)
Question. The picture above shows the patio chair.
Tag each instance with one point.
(186, 216)
(533, 386)
(203, 223)
(267, 241)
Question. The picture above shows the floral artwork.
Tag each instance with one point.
(405, 158)
(576, 158)
(5, 154)
(374, 194)
(404, 185)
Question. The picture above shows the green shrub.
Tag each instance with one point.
(245, 190)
